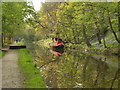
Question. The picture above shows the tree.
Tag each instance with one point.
(14, 17)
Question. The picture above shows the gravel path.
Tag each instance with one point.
(11, 72)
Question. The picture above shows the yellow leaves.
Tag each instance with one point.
(36, 29)
(44, 42)
(52, 35)
(84, 3)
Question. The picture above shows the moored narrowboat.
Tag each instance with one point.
(57, 44)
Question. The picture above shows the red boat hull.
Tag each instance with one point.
(56, 44)
(56, 53)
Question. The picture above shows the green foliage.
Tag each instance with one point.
(12, 18)
(15, 16)
(68, 18)
(76, 23)
(0, 54)
(44, 42)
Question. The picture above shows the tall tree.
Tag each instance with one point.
(14, 18)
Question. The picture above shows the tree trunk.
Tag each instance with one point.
(111, 27)
(98, 37)
(98, 34)
(104, 43)
(2, 41)
(85, 36)
(3, 38)
(84, 32)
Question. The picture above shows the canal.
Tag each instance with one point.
(68, 68)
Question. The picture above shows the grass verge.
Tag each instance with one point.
(33, 78)
(2, 53)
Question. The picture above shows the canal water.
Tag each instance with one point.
(68, 68)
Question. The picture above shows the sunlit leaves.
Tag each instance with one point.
(67, 18)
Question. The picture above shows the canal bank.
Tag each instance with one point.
(33, 78)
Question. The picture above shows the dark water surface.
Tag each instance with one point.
(67, 68)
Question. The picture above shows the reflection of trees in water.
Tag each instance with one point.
(115, 78)
(75, 69)
(97, 73)
(101, 71)
(51, 75)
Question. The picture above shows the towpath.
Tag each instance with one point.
(10, 72)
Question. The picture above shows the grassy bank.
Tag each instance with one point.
(2, 53)
(33, 78)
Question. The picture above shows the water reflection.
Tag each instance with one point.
(57, 51)
(76, 69)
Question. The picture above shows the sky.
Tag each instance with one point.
(37, 4)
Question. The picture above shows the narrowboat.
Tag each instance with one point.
(57, 44)
(58, 52)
